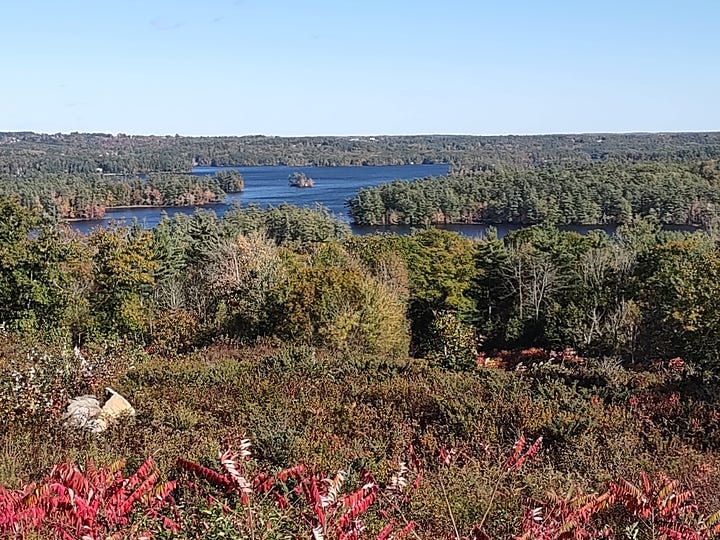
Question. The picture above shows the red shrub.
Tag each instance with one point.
(96, 503)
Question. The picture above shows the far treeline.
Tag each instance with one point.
(25, 153)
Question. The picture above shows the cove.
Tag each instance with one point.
(268, 185)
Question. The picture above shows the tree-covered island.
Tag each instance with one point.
(593, 194)
(300, 180)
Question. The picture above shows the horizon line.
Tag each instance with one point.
(373, 135)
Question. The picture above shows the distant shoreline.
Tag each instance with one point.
(110, 209)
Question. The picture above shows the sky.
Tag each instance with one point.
(366, 67)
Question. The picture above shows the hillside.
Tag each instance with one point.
(522, 387)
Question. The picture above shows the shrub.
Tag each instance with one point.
(36, 380)
(92, 504)
(173, 331)
(343, 307)
(296, 501)
(451, 343)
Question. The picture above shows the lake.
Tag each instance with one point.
(269, 185)
(333, 186)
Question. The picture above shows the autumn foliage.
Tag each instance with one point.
(91, 503)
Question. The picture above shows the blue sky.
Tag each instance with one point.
(341, 67)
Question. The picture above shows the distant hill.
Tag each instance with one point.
(24, 153)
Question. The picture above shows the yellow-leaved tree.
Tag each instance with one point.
(123, 266)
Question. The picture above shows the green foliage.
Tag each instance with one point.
(61, 195)
(287, 224)
(435, 275)
(14, 257)
(81, 153)
(451, 343)
(38, 271)
(570, 193)
(681, 286)
(329, 381)
(230, 181)
(332, 301)
(554, 178)
(441, 267)
(262, 272)
(173, 331)
(123, 267)
(242, 274)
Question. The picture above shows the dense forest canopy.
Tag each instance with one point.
(598, 193)
(297, 274)
(22, 153)
(87, 195)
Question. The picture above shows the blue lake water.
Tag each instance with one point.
(269, 186)
(333, 187)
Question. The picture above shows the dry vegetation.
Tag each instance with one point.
(621, 455)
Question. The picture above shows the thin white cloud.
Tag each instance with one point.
(162, 24)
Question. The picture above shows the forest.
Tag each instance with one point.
(294, 381)
(62, 196)
(25, 153)
(592, 194)
(565, 179)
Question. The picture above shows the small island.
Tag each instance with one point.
(301, 180)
